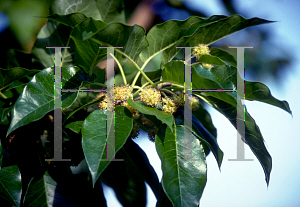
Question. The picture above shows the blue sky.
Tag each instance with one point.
(243, 183)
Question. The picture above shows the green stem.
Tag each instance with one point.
(121, 69)
(140, 71)
(3, 96)
(94, 62)
(164, 89)
(65, 52)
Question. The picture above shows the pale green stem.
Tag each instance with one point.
(94, 62)
(164, 89)
(65, 52)
(121, 69)
(140, 71)
(3, 96)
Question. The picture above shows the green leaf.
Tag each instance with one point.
(16, 84)
(183, 180)
(210, 59)
(75, 126)
(40, 191)
(7, 76)
(254, 91)
(131, 38)
(87, 53)
(224, 55)
(191, 32)
(206, 138)
(10, 184)
(94, 137)
(163, 200)
(202, 79)
(4, 112)
(161, 115)
(53, 34)
(253, 137)
(113, 11)
(141, 163)
(37, 98)
(204, 117)
(173, 33)
(70, 20)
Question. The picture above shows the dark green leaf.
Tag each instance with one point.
(10, 184)
(4, 112)
(53, 34)
(75, 126)
(206, 138)
(163, 200)
(173, 33)
(253, 137)
(191, 32)
(16, 84)
(202, 79)
(37, 98)
(87, 53)
(40, 191)
(131, 38)
(7, 76)
(254, 91)
(94, 137)
(70, 20)
(161, 115)
(183, 180)
(140, 161)
(224, 55)
(126, 180)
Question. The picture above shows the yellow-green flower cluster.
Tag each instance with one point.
(123, 92)
(169, 105)
(103, 104)
(200, 50)
(195, 103)
(150, 96)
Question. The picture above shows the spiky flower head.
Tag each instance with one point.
(103, 104)
(195, 103)
(150, 96)
(134, 111)
(123, 92)
(169, 105)
(178, 99)
(200, 50)
(135, 130)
